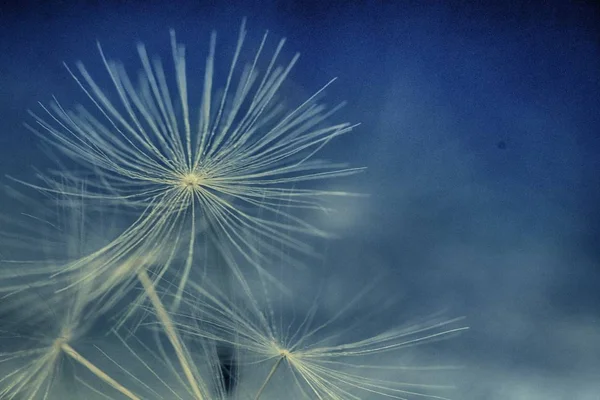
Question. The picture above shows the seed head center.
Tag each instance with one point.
(61, 340)
(284, 353)
(191, 181)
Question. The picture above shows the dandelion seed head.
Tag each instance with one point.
(238, 159)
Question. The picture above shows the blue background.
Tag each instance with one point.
(480, 128)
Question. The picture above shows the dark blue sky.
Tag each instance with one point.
(480, 129)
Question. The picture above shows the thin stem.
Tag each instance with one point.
(71, 352)
(271, 373)
(169, 328)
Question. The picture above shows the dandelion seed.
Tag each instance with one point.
(311, 356)
(229, 165)
(37, 369)
(52, 324)
(70, 312)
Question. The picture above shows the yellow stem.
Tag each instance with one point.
(169, 329)
(71, 352)
(271, 373)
